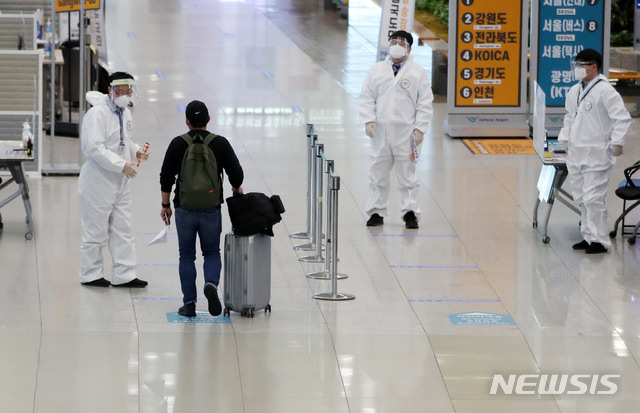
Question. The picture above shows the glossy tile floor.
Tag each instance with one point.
(266, 68)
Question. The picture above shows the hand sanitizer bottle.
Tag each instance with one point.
(26, 134)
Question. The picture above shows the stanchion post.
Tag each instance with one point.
(326, 273)
(310, 136)
(317, 233)
(334, 295)
(310, 246)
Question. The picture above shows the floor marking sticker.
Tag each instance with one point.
(444, 300)
(480, 318)
(418, 235)
(464, 267)
(201, 317)
(522, 146)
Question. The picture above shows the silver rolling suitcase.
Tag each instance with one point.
(247, 273)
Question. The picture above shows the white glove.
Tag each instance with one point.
(566, 146)
(369, 129)
(617, 150)
(418, 136)
(128, 171)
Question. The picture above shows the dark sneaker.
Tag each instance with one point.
(410, 220)
(188, 310)
(211, 292)
(582, 245)
(135, 283)
(375, 220)
(100, 282)
(595, 248)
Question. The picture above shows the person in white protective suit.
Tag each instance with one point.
(593, 134)
(104, 186)
(396, 106)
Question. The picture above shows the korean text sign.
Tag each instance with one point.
(74, 5)
(565, 27)
(396, 15)
(488, 53)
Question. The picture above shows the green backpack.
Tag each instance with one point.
(200, 184)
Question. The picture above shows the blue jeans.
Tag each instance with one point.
(207, 225)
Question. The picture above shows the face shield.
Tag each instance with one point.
(579, 69)
(398, 47)
(123, 92)
(581, 63)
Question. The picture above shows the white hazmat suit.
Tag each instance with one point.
(398, 105)
(596, 120)
(104, 191)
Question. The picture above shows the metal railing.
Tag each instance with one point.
(311, 136)
(328, 243)
(318, 166)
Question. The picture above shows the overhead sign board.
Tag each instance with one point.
(486, 94)
(564, 29)
(488, 53)
(74, 5)
(560, 29)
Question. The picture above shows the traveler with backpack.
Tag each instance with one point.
(197, 159)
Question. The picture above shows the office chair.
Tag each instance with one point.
(630, 191)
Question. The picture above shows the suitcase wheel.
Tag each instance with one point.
(247, 312)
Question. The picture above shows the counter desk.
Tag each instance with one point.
(552, 176)
(12, 157)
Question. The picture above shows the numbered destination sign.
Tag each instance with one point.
(565, 27)
(74, 5)
(488, 53)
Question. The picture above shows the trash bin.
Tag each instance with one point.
(439, 71)
(71, 72)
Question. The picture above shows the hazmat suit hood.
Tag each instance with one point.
(96, 98)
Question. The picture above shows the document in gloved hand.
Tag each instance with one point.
(415, 149)
(161, 238)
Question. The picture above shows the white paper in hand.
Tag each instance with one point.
(161, 238)
(415, 149)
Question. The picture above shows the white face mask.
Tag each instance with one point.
(122, 101)
(396, 51)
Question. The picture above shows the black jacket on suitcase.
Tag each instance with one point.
(254, 213)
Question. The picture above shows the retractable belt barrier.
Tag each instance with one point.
(311, 137)
(318, 165)
(326, 273)
(312, 195)
(316, 234)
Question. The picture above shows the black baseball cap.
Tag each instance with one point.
(197, 114)
(404, 35)
(590, 56)
(119, 76)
